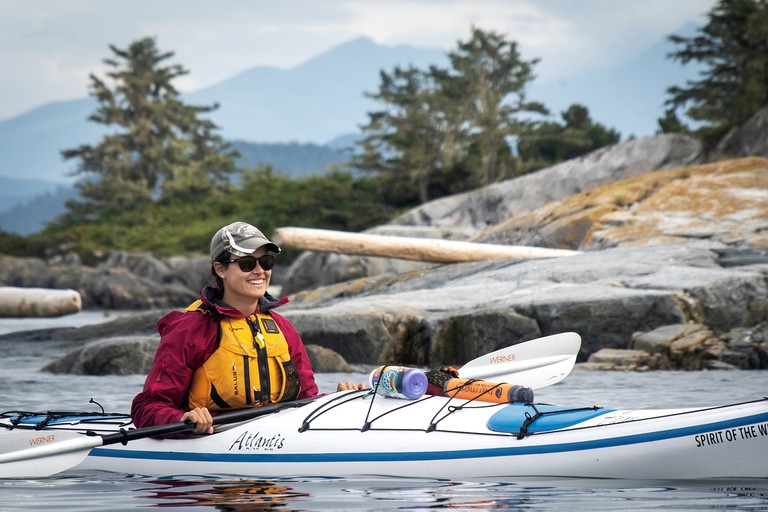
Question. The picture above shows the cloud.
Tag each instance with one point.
(568, 36)
(57, 43)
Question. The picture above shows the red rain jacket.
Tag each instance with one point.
(187, 340)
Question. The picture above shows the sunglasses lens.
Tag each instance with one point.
(248, 263)
(267, 262)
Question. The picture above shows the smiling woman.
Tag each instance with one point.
(228, 349)
(246, 282)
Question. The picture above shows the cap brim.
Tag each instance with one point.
(252, 245)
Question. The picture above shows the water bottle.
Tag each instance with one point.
(398, 382)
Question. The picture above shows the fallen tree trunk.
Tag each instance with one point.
(406, 248)
(38, 302)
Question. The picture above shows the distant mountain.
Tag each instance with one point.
(21, 190)
(298, 119)
(27, 205)
(313, 102)
(31, 143)
(629, 98)
(30, 213)
(293, 159)
(279, 117)
(344, 142)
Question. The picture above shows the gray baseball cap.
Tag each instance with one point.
(240, 239)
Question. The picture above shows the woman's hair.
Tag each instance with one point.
(217, 281)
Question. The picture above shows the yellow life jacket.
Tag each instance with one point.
(252, 365)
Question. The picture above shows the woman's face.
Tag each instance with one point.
(244, 287)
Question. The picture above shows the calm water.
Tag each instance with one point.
(23, 387)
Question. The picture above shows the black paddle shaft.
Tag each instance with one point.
(174, 428)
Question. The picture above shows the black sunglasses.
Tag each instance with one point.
(248, 263)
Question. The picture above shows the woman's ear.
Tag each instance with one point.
(218, 268)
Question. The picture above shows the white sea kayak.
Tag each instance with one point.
(359, 433)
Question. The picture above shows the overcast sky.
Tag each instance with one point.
(49, 47)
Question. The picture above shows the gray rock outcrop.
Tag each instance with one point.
(687, 347)
(111, 356)
(129, 355)
(123, 282)
(499, 202)
(466, 216)
(673, 274)
(325, 360)
(750, 139)
(458, 312)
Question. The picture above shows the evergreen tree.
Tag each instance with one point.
(401, 143)
(733, 47)
(443, 131)
(157, 147)
(491, 77)
(552, 142)
(671, 123)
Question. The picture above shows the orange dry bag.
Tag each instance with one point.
(496, 392)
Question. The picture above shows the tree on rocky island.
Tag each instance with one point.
(552, 142)
(157, 148)
(733, 49)
(444, 131)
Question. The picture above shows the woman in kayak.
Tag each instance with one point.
(228, 349)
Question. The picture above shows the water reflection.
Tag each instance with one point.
(329, 494)
(323, 494)
(99, 491)
(221, 494)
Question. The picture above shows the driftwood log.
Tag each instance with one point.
(38, 302)
(406, 248)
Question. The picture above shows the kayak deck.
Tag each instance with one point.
(356, 433)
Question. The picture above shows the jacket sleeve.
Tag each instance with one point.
(299, 356)
(185, 342)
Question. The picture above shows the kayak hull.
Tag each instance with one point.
(358, 434)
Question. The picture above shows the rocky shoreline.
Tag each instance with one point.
(672, 275)
(636, 308)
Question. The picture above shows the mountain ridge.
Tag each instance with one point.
(313, 102)
(320, 102)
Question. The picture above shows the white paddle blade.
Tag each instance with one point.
(535, 364)
(20, 451)
(536, 374)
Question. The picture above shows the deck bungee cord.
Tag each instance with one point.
(12, 419)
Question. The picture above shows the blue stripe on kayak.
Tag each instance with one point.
(520, 449)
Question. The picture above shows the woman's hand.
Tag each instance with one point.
(202, 419)
(349, 386)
